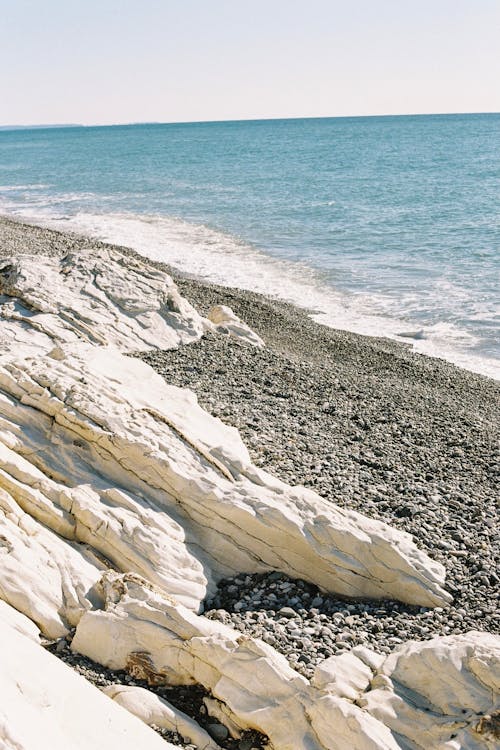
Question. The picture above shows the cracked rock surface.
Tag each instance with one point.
(125, 508)
(145, 477)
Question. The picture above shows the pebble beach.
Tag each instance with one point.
(366, 423)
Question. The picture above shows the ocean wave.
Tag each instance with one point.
(17, 188)
(227, 260)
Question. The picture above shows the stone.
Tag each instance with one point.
(14, 619)
(287, 612)
(218, 710)
(341, 725)
(225, 319)
(152, 709)
(346, 676)
(123, 503)
(420, 695)
(101, 298)
(444, 692)
(138, 471)
(173, 645)
(439, 690)
(45, 704)
(47, 578)
(218, 732)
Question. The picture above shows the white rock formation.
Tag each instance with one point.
(224, 318)
(46, 705)
(14, 619)
(101, 450)
(122, 503)
(43, 576)
(109, 298)
(424, 695)
(157, 639)
(441, 694)
(152, 709)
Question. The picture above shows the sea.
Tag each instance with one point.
(385, 226)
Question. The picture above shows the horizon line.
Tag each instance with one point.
(48, 126)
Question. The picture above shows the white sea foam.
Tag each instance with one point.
(224, 259)
(18, 188)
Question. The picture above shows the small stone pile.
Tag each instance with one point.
(308, 626)
(422, 457)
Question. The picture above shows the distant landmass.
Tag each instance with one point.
(32, 127)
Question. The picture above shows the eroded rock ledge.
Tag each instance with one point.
(428, 693)
(122, 503)
(138, 471)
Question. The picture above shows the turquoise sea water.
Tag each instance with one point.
(383, 225)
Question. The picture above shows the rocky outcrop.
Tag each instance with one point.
(152, 709)
(441, 693)
(48, 579)
(11, 618)
(122, 503)
(101, 450)
(45, 704)
(225, 320)
(424, 695)
(105, 298)
(159, 640)
(102, 299)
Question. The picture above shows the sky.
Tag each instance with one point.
(119, 61)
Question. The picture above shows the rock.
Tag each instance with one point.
(226, 320)
(420, 695)
(45, 704)
(49, 579)
(218, 711)
(122, 526)
(439, 690)
(105, 467)
(431, 694)
(218, 732)
(99, 297)
(152, 709)
(342, 725)
(346, 676)
(136, 469)
(14, 619)
(287, 612)
(162, 641)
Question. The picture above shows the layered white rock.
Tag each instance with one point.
(45, 704)
(104, 467)
(17, 621)
(136, 469)
(151, 709)
(225, 319)
(101, 298)
(438, 691)
(440, 694)
(47, 578)
(157, 639)
(424, 695)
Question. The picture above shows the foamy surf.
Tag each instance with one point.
(223, 259)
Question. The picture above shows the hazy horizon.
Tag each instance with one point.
(52, 125)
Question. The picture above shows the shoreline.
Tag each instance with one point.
(359, 326)
(371, 427)
(204, 293)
